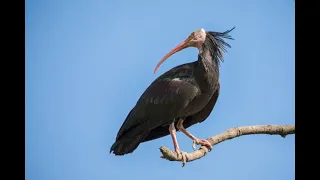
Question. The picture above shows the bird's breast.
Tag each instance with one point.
(197, 104)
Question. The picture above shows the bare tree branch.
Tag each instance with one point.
(230, 134)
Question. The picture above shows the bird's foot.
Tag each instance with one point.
(202, 142)
(183, 154)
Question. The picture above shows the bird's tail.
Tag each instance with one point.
(127, 144)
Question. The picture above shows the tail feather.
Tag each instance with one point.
(127, 144)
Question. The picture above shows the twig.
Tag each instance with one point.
(230, 134)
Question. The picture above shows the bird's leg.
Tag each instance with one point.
(172, 131)
(196, 140)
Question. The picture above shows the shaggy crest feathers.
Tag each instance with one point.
(216, 44)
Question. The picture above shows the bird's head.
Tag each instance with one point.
(197, 39)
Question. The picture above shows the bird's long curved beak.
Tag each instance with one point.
(178, 48)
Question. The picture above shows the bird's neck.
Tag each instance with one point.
(208, 70)
(207, 62)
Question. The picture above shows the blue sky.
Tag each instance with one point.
(88, 62)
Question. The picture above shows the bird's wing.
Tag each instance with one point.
(189, 120)
(205, 112)
(162, 101)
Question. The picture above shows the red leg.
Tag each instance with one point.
(172, 131)
(196, 140)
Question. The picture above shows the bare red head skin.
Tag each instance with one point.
(195, 39)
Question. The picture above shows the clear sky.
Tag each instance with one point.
(88, 62)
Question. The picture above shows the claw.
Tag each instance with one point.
(194, 145)
(204, 142)
(184, 156)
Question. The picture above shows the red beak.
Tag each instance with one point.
(178, 48)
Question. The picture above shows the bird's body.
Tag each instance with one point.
(187, 92)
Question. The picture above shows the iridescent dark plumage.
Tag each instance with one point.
(188, 91)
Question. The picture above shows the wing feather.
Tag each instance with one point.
(189, 120)
(162, 101)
